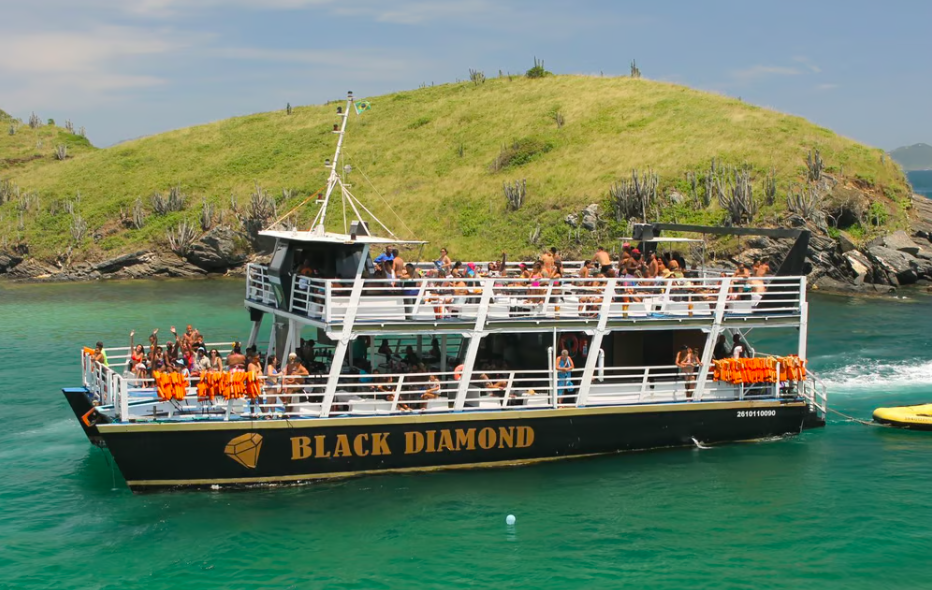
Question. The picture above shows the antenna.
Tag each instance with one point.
(336, 178)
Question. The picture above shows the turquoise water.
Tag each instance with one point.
(847, 506)
(921, 181)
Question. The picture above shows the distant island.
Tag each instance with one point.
(913, 157)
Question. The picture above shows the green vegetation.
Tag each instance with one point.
(914, 157)
(438, 157)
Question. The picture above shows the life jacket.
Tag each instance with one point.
(203, 387)
(162, 385)
(253, 387)
(179, 386)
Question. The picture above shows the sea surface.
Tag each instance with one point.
(848, 506)
(921, 181)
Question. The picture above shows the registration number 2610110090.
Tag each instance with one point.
(756, 413)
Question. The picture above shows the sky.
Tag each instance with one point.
(129, 68)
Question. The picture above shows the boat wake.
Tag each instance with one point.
(874, 375)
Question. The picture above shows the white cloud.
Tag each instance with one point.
(808, 63)
(764, 71)
(47, 68)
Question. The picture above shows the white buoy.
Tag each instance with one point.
(510, 519)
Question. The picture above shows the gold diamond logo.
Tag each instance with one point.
(244, 449)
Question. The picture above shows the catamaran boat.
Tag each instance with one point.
(494, 389)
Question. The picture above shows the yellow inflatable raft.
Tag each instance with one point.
(910, 417)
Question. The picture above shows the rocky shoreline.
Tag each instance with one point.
(880, 266)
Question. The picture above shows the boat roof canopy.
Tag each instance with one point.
(333, 238)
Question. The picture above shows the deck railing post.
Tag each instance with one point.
(349, 318)
(803, 320)
(328, 301)
(473, 349)
(596, 345)
(706, 359)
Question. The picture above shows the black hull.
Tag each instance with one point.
(81, 406)
(238, 454)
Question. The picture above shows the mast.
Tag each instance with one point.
(318, 224)
(335, 179)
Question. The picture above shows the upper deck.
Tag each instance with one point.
(514, 303)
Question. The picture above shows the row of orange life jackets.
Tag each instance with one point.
(759, 369)
(228, 385)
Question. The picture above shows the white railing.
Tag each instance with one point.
(572, 299)
(259, 285)
(291, 396)
(815, 392)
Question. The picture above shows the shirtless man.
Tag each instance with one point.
(760, 269)
(603, 260)
(398, 264)
(236, 359)
(546, 260)
(190, 337)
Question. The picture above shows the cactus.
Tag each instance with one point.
(807, 202)
(181, 237)
(12, 129)
(258, 212)
(78, 228)
(815, 165)
(34, 121)
(770, 187)
(207, 215)
(288, 109)
(82, 132)
(558, 118)
(515, 194)
(738, 200)
(632, 198)
(61, 152)
(538, 70)
(635, 70)
(534, 236)
(175, 201)
(69, 126)
(476, 77)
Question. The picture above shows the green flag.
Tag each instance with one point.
(362, 105)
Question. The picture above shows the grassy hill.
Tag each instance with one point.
(430, 154)
(914, 157)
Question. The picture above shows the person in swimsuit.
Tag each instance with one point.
(272, 389)
(688, 362)
(236, 360)
(603, 260)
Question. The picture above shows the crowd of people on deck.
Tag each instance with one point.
(452, 284)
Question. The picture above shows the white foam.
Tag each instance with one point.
(879, 375)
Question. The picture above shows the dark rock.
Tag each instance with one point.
(8, 260)
(572, 219)
(218, 249)
(846, 242)
(897, 264)
(900, 240)
(32, 269)
(758, 242)
(115, 264)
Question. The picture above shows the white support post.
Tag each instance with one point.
(254, 332)
(803, 320)
(706, 360)
(328, 301)
(397, 395)
(339, 353)
(121, 389)
(551, 365)
(475, 337)
(596, 345)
